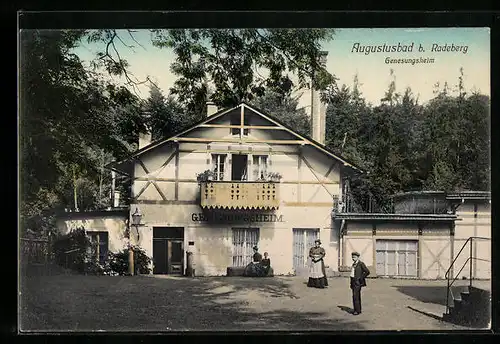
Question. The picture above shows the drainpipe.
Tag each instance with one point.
(113, 188)
(341, 245)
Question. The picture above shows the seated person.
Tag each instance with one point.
(266, 265)
(254, 268)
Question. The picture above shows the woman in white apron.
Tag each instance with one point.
(317, 275)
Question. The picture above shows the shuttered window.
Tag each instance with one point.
(244, 239)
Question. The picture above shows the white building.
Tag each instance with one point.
(220, 220)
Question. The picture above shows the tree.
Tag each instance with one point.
(66, 112)
(475, 148)
(231, 60)
(285, 108)
(166, 117)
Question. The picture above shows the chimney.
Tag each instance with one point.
(211, 108)
(318, 108)
(116, 199)
(113, 188)
(145, 138)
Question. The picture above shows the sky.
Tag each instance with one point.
(454, 48)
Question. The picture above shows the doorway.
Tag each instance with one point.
(397, 258)
(303, 240)
(239, 167)
(168, 250)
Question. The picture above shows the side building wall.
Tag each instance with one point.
(400, 249)
(474, 220)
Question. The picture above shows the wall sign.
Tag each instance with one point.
(217, 217)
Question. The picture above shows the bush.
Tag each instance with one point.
(118, 262)
(77, 243)
(70, 250)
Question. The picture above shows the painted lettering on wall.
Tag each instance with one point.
(214, 217)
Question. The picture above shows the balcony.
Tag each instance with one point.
(240, 195)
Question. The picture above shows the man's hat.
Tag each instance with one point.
(317, 241)
(355, 254)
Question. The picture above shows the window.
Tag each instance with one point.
(244, 239)
(236, 120)
(259, 167)
(98, 246)
(218, 163)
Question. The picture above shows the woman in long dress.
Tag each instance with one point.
(266, 265)
(317, 275)
(254, 269)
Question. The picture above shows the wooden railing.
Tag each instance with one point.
(240, 195)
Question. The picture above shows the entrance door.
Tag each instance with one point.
(160, 265)
(303, 240)
(168, 250)
(175, 256)
(239, 167)
(397, 258)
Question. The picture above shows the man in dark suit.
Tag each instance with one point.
(359, 272)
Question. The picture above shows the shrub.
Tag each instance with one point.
(118, 262)
(78, 259)
(70, 250)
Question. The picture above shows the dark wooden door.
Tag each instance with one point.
(160, 257)
(239, 167)
(175, 256)
(168, 250)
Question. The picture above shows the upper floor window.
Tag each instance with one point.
(236, 120)
(218, 163)
(259, 167)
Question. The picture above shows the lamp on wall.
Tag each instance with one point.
(136, 221)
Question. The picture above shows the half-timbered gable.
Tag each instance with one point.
(245, 151)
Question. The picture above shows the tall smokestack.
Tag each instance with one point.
(318, 108)
(113, 188)
(116, 199)
(211, 108)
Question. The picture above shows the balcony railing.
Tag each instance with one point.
(240, 195)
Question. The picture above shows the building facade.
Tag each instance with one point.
(265, 185)
(240, 178)
(423, 237)
(106, 229)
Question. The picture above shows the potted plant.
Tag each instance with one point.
(274, 176)
(205, 176)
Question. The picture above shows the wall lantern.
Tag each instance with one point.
(136, 217)
(136, 220)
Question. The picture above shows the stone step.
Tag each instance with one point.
(465, 295)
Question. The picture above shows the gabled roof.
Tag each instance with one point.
(115, 165)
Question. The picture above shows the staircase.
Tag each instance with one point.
(467, 305)
(471, 307)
